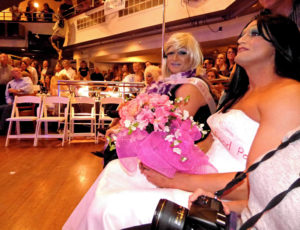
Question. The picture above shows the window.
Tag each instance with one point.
(93, 19)
(132, 6)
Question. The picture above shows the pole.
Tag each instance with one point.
(163, 31)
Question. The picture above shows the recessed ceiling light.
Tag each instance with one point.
(23, 49)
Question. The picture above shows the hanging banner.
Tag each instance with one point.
(111, 6)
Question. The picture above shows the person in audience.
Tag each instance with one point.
(152, 74)
(97, 75)
(30, 11)
(288, 8)
(231, 53)
(54, 79)
(5, 75)
(208, 63)
(24, 70)
(32, 70)
(147, 63)
(66, 8)
(18, 86)
(216, 81)
(83, 71)
(125, 71)
(44, 71)
(15, 12)
(249, 124)
(220, 64)
(47, 13)
(68, 70)
(182, 57)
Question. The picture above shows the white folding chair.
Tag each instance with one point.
(103, 117)
(52, 112)
(87, 112)
(16, 116)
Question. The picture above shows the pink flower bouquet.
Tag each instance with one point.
(161, 135)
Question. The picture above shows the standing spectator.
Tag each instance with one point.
(125, 71)
(5, 75)
(47, 13)
(208, 63)
(96, 75)
(66, 8)
(32, 70)
(231, 53)
(16, 14)
(68, 70)
(30, 12)
(221, 65)
(44, 71)
(83, 71)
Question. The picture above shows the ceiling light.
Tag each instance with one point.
(36, 5)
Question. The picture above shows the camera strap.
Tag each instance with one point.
(240, 176)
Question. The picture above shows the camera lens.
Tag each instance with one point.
(169, 216)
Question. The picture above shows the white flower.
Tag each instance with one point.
(169, 138)
(114, 137)
(177, 150)
(185, 114)
(127, 123)
(204, 132)
(183, 159)
(133, 128)
(177, 133)
(167, 129)
(142, 125)
(176, 142)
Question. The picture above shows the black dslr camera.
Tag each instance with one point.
(205, 214)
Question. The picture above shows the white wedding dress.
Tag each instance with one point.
(117, 200)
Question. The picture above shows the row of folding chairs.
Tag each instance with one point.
(61, 110)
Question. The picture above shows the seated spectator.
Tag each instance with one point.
(47, 13)
(152, 74)
(5, 75)
(18, 86)
(97, 75)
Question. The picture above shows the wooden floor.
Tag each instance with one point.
(40, 186)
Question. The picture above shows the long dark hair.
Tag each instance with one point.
(284, 35)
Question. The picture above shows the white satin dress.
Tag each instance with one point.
(117, 200)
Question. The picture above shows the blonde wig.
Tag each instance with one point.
(188, 42)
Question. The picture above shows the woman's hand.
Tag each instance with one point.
(155, 177)
(201, 192)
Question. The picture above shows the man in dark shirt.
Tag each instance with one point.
(96, 75)
(67, 8)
